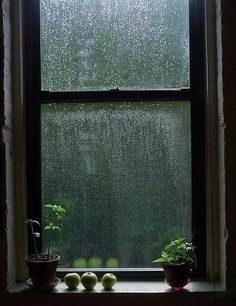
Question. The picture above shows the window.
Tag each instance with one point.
(115, 127)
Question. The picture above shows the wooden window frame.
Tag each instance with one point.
(34, 97)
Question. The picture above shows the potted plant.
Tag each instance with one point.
(177, 260)
(42, 266)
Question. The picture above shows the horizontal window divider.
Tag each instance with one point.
(115, 95)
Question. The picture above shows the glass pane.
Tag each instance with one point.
(122, 171)
(104, 44)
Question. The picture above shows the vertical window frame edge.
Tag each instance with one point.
(31, 75)
(198, 133)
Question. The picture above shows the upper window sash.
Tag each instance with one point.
(105, 44)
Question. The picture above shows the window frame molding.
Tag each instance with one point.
(33, 97)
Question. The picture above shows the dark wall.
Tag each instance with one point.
(229, 83)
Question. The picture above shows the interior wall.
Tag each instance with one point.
(221, 144)
(228, 17)
(2, 166)
(7, 227)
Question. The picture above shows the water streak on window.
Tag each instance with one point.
(103, 44)
(123, 173)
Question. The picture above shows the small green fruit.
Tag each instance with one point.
(72, 280)
(108, 281)
(89, 280)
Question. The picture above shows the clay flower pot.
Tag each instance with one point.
(42, 270)
(177, 275)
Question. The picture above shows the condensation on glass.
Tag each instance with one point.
(104, 44)
(122, 171)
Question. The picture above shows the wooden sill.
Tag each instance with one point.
(125, 293)
(129, 287)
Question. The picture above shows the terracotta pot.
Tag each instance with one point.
(42, 270)
(177, 275)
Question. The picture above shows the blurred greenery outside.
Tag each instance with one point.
(121, 170)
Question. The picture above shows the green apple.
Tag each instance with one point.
(72, 280)
(89, 280)
(108, 281)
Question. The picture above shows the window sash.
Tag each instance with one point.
(34, 97)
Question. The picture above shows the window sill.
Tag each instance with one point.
(128, 287)
(126, 293)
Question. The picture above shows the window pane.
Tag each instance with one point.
(103, 44)
(123, 173)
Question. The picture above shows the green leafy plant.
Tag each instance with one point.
(179, 251)
(54, 216)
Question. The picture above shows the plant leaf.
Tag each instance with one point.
(48, 227)
(29, 221)
(56, 228)
(179, 241)
(32, 221)
(164, 254)
(35, 221)
(160, 260)
(48, 206)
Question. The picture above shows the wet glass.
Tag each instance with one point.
(122, 171)
(104, 44)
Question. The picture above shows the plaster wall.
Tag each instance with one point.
(228, 17)
(7, 227)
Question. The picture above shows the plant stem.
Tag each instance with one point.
(49, 244)
(35, 244)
